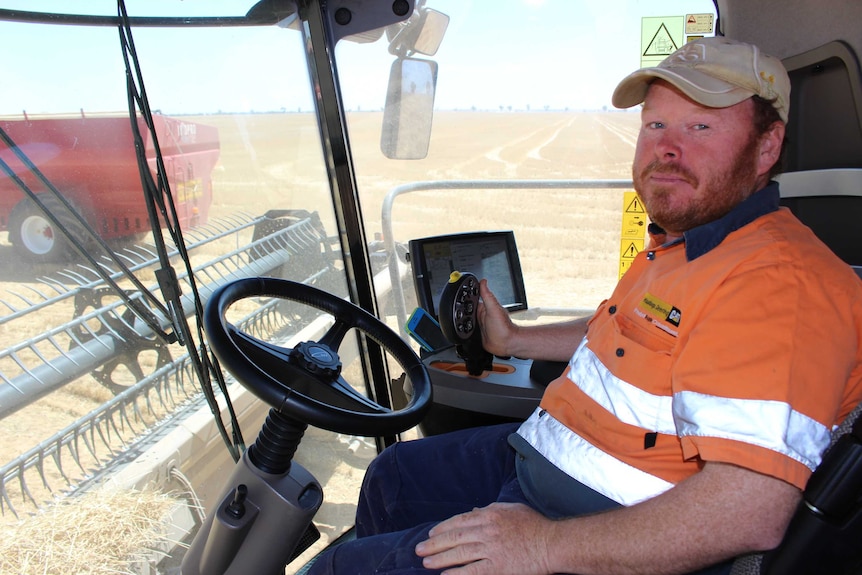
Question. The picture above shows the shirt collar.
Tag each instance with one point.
(702, 239)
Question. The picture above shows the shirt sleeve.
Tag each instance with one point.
(760, 379)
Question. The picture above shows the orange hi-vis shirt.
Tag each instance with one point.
(741, 344)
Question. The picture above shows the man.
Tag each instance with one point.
(698, 398)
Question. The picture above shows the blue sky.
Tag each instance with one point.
(519, 53)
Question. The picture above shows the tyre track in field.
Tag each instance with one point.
(547, 136)
(536, 145)
(627, 134)
(619, 140)
(524, 137)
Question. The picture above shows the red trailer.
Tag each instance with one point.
(91, 160)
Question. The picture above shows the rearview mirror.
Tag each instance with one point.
(432, 27)
(422, 33)
(409, 109)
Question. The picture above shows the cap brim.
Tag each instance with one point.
(701, 88)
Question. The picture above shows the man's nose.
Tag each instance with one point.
(668, 146)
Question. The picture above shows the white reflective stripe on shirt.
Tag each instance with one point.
(588, 464)
(770, 424)
(773, 425)
(630, 404)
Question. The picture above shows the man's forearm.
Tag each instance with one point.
(553, 342)
(722, 512)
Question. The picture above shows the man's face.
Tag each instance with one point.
(693, 164)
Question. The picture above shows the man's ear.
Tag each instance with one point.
(770, 147)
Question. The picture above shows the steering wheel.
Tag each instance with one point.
(305, 382)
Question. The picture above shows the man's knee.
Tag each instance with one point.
(381, 476)
(379, 486)
(382, 464)
(385, 553)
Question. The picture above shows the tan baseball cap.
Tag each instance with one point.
(716, 72)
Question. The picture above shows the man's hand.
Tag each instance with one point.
(497, 327)
(502, 337)
(495, 540)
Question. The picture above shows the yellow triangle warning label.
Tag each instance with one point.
(635, 206)
(630, 249)
(662, 43)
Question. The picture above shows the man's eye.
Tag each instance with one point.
(655, 125)
(701, 127)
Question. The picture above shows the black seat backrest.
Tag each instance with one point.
(834, 219)
(825, 534)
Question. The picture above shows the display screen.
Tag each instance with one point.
(488, 255)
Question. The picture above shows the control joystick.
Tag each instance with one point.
(458, 315)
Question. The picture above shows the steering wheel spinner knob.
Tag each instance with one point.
(316, 358)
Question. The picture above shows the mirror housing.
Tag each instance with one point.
(409, 109)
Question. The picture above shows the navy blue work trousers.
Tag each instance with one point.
(414, 485)
(411, 486)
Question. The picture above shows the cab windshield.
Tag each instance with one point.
(155, 150)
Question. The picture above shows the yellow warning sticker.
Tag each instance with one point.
(633, 203)
(660, 37)
(633, 226)
(624, 266)
(630, 248)
(633, 231)
(699, 23)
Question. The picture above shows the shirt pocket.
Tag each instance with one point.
(628, 373)
(640, 354)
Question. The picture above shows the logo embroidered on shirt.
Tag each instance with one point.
(659, 313)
